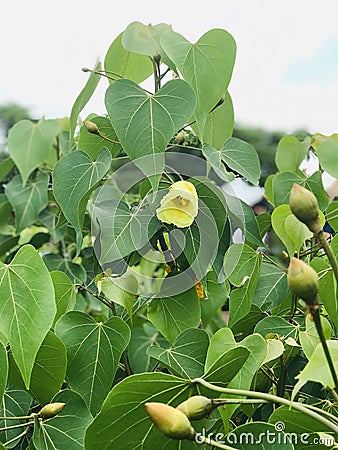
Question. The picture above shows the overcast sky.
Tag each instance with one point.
(286, 72)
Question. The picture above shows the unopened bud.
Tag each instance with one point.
(172, 422)
(180, 137)
(157, 57)
(91, 127)
(51, 410)
(196, 407)
(303, 281)
(304, 206)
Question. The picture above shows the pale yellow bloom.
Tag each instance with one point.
(180, 205)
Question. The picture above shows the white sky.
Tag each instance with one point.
(286, 73)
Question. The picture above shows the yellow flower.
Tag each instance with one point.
(180, 205)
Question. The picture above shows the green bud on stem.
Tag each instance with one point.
(196, 407)
(51, 410)
(157, 57)
(180, 137)
(172, 422)
(304, 206)
(91, 127)
(303, 281)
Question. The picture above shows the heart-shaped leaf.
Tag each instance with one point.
(186, 357)
(28, 306)
(207, 65)
(145, 123)
(74, 177)
(93, 352)
(27, 201)
(29, 144)
(119, 62)
(146, 40)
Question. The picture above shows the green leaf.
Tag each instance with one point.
(272, 287)
(65, 293)
(291, 152)
(49, 370)
(75, 272)
(241, 298)
(14, 404)
(327, 287)
(172, 315)
(6, 166)
(296, 421)
(226, 366)
(239, 262)
(123, 422)
(258, 436)
(309, 338)
(327, 155)
(120, 290)
(276, 325)
(27, 201)
(93, 352)
(3, 369)
(332, 215)
(207, 65)
(241, 157)
(257, 347)
(214, 158)
(142, 338)
(74, 177)
(121, 63)
(121, 230)
(289, 229)
(28, 306)
(242, 217)
(317, 368)
(146, 40)
(145, 123)
(187, 355)
(92, 143)
(29, 144)
(282, 184)
(81, 101)
(219, 124)
(67, 429)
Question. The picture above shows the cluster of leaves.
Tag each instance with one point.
(105, 345)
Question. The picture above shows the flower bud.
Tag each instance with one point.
(304, 206)
(91, 127)
(51, 410)
(303, 281)
(180, 137)
(172, 422)
(196, 407)
(157, 57)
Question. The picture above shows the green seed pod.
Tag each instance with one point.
(196, 407)
(304, 206)
(91, 127)
(303, 281)
(172, 422)
(51, 410)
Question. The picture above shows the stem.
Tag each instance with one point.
(281, 380)
(272, 399)
(316, 318)
(16, 418)
(16, 437)
(224, 401)
(157, 75)
(166, 251)
(293, 308)
(19, 425)
(200, 439)
(328, 250)
(94, 294)
(103, 136)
